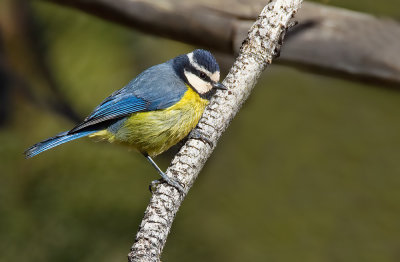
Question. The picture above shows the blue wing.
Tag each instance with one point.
(113, 107)
(156, 88)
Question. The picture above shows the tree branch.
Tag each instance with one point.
(329, 40)
(257, 51)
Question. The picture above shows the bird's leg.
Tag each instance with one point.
(196, 134)
(167, 179)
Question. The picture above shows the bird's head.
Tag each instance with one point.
(200, 71)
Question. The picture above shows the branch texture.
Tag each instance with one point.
(328, 40)
(257, 51)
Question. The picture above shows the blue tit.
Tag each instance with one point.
(152, 112)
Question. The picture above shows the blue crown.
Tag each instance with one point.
(205, 59)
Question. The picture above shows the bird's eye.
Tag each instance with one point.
(202, 75)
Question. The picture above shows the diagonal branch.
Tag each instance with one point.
(258, 50)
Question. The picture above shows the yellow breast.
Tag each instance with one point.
(156, 131)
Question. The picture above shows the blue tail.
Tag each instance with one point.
(55, 141)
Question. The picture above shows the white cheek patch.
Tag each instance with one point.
(215, 77)
(199, 84)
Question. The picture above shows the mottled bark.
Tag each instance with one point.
(257, 51)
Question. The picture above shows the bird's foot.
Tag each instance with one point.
(196, 134)
(154, 184)
(169, 181)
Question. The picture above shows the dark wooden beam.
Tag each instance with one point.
(327, 40)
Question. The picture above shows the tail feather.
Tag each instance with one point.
(55, 141)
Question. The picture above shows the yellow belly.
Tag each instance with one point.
(156, 131)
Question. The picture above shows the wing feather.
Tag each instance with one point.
(156, 88)
(115, 108)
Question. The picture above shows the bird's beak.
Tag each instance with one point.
(220, 86)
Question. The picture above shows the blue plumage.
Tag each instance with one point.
(120, 106)
(205, 59)
(155, 88)
(116, 107)
(159, 86)
(54, 141)
(152, 112)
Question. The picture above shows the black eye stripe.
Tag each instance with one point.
(197, 72)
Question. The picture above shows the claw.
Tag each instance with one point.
(170, 182)
(165, 178)
(196, 134)
(154, 184)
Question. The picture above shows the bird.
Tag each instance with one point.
(153, 112)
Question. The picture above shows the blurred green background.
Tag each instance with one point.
(308, 171)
